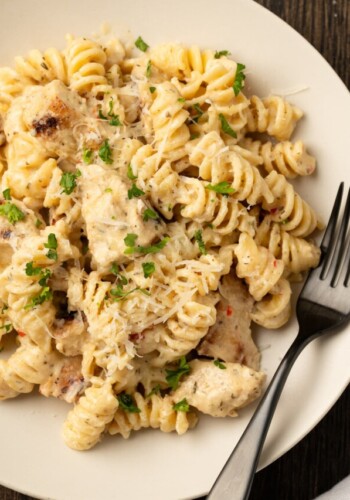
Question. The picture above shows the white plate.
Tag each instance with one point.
(152, 465)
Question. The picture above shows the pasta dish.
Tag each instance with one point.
(147, 218)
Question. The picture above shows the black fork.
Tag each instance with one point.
(323, 306)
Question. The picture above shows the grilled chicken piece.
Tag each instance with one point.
(109, 216)
(49, 113)
(219, 392)
(230, 338)
(66, 381)
(70, 335)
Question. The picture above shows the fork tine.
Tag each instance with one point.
(332, 222)
(347, 277)
(328, 242)
(341, 246)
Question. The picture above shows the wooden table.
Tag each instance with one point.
(322, 458)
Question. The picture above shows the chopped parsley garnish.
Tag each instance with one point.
(145, 250)
(225, 126)
(38, 223)
(12, 212)
(130, 173)
(108, 190)
(219, 364)
(199, 239)
(148, 269)
(173, 376)
(149, 69)
(118, 293)
(52, 246)
(127, 403)
(105, 153)
(199, 110)
(221, 188)
(114, 119)
(155, 390)
(101, 115)
(31, 270)
(7, 194)
(182, 406)
(182, 100)
(239, 79)
(152, 89)
(141, 44)
(130, 239)
(220, 53)
(68, 181)
(87, 156)
(45, 294)
(8, 327)
(122, 280)
(150, 214)
(134, 192)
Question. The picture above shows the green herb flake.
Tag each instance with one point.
(149, 69)
(45, 275)
(239, 79)
(221, 188)
(146, 250)
(182, 100)
(115, 120)
(31, 270)
(134, 192)
(173, 376)
(7, 327)
(87, 156)
(194, 136)
(12, 212)
(156, 390)
(199, 111)
(130, 240)
(52, 246)
(38, 223)
(225, 126)
(199, 239)
(105, 153)
(127, 403)
(141, 44)
(150, 214)
(45, 294)
(68, 181)
(182, 406)
(148, 269)
(152, 89)
(7, 194)
(221, 53)
(108, 190)
(219, 364)
(101, 115)
(130, 173)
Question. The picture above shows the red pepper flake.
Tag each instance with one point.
(229, 311)
(136, 337)
(275, 263)
(21, 334)
(273, 211)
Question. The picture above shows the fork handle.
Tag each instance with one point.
(236, 478)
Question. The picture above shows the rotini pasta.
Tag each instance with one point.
(143, 227)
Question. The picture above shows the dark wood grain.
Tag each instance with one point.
(322, 458)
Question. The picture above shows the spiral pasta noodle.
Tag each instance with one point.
(42, 67)
(89, 418)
